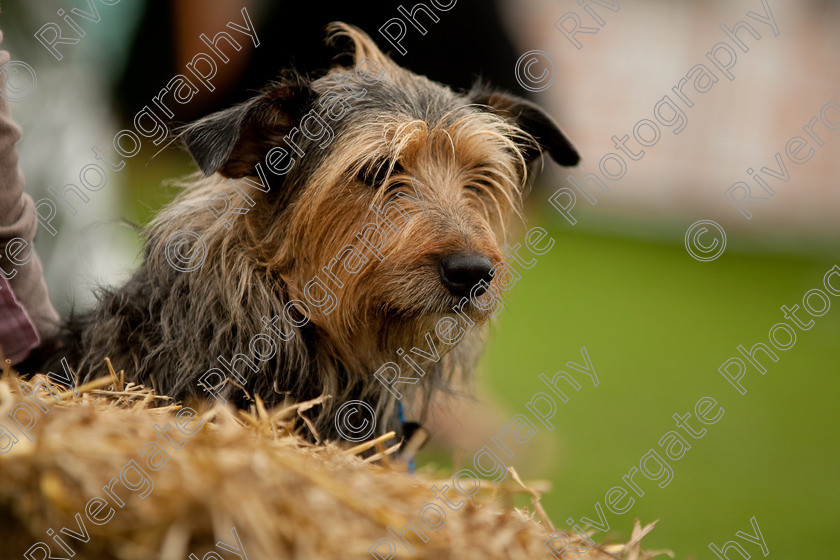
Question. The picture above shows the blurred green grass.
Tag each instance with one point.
(657, 325)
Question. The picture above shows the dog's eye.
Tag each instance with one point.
(393, 187)
(481, 180)
(479, 185)
(375, 173)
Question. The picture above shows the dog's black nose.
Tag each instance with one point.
(461, 271)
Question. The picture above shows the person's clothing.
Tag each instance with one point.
(17, 331)
(25, 307)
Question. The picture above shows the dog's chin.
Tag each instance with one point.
(430, 310)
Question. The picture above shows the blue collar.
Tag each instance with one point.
(401, 417)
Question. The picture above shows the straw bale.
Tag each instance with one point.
(285, 497)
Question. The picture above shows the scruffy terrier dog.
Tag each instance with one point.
(339, 220)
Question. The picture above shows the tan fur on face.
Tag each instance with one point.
(443, 163)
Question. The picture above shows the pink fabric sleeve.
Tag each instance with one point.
(17, 331)
(23, 290)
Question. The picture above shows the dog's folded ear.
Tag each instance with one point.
(533, 120)
(233, 141)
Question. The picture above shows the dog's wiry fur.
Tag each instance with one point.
(468, 154)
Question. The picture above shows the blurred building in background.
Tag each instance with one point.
(643, 50)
